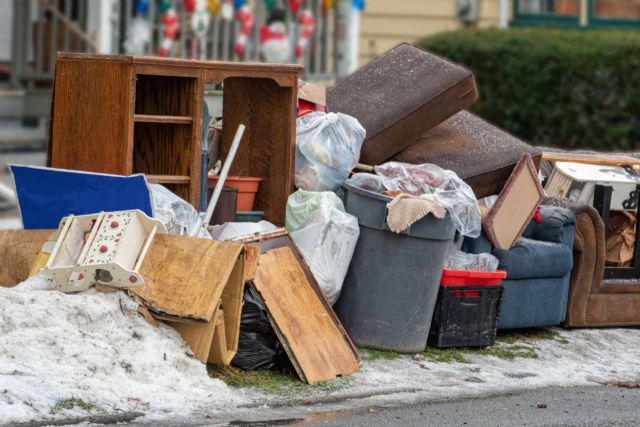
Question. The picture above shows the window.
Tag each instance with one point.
(615, 13)
(598, 13)
(547, 12)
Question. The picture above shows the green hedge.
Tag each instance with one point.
(563, 88)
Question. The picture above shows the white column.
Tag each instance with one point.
(347, 37)
(505, 13)
(100, 26)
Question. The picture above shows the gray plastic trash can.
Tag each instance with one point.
(391, 288)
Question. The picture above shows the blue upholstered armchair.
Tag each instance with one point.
(538, 269)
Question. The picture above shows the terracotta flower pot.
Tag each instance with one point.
(247, 188)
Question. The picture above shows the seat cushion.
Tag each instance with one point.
(532, 259)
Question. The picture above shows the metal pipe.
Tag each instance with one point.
(222, 178)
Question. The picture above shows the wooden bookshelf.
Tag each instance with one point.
(128, 114)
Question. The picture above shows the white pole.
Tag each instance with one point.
(221, 179)
(504, 13)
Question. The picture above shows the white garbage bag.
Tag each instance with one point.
(327, 240)
(473, 262)
(231, 230)
(302, 204)
(327, 149)
(176, 214)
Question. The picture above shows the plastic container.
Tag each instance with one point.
(247, 188)
(390, 291)
(250, 216)
(225, 210)
(467, 309)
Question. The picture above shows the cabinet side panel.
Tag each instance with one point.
(267, 148)
(92, 116)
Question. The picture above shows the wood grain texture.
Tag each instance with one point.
(591, 158)
(90, 123)
(186, 276)
(267, 149)
(148, 118)
(164, 149)
(19, 250)
(312, 340)
(164, 95)
(168, 179)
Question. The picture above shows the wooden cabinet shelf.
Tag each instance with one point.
(151, 118)
(168, 179)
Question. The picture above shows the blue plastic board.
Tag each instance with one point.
(46, 195)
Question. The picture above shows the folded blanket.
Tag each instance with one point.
(404, 210)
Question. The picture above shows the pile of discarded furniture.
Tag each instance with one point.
(305, 222)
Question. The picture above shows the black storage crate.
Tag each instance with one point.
(466, 315)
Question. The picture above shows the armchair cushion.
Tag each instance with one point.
(531, 259)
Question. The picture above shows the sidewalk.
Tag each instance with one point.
(67, 356)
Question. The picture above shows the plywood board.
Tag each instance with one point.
(19, 251)
(515, 205)
(313, 341)
(591, 158)
(186, 276)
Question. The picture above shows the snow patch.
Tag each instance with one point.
(94, 346)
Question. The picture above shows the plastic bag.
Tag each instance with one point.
(449, 190)
(258, 345)
(327, 241)
(366, 181)
(231, 230)
(176, 214)
(301, 205)
(327, 149)
(475, 262)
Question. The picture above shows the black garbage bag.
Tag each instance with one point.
(258, 346)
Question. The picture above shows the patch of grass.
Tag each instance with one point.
(512, 337)
(509, 345)
(70, 403)
(371, 354)
(446, 355)
(510, 352)
(272, 382)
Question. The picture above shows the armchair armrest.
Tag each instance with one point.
(557, 226)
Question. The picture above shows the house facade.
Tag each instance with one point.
(386, 23)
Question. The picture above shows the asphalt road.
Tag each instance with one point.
(578, 406)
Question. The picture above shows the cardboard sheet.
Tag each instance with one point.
(185, 276)
(196, 286)
(19, 251)
(314, 342)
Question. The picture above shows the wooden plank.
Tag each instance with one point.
(168, 179)
(149, 118)
(312, 340)
(186, 276)
(90, 122)
(591, 158)
(19, 251)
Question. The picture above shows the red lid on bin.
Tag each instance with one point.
(471, 278)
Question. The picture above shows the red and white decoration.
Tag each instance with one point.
(307, 23)
(245, 16)
(171, 27)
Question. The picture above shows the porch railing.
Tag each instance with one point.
(43, 27)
